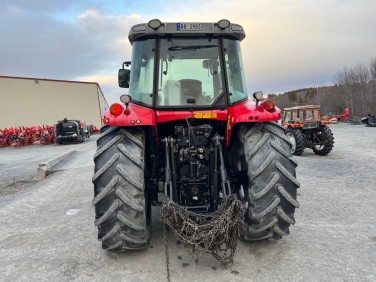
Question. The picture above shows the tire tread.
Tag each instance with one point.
(272, 185)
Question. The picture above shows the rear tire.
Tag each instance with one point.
(270, 192)
(327, 139)
(297, 141)
(122, 210)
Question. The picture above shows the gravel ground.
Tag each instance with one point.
(14, 185)
(48, 232)
(18, 166)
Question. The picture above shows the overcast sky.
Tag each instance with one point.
(288, 45)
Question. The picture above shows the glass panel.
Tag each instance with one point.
(287, 116)
(317, 114)
(308, 115)
(235, 70)
(295, 115)
(142, 70)
(190, 72)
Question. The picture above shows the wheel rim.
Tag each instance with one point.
(318, 147)
(291, 138)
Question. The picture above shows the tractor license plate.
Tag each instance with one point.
(205, 115)
(188, 26)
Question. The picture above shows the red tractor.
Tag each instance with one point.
(188, 131)
(306, 129)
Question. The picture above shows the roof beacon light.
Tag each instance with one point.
(223, 24)
(154, 24)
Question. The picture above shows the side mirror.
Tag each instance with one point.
(124, 77)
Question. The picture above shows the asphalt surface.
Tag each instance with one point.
(47, 231)
(18, 166)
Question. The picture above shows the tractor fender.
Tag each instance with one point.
(133, 115)
(248, 112)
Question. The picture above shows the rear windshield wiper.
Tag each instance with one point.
(194, 47)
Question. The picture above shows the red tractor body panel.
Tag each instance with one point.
(166, 116)
(249, 112)
(244, 112)
(138, 115)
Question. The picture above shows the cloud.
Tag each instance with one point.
(293, 43)
(41, 45)
(289, 44)
(108, 83)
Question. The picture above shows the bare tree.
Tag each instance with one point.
(361, 77)
(356, 89)
(345, 81)
(372, 68)
(372, 87)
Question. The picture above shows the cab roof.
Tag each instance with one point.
(185, 29)
(303, 107)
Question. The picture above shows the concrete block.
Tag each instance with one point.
(45, 167)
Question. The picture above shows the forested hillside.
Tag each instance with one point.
(355, 88)
(326, 97)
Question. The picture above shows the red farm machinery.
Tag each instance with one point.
(187, 131)
(21, 136)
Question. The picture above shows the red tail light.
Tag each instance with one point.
(127, 112)
(116, 109)
(269, 105)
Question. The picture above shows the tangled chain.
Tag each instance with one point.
(215, 233)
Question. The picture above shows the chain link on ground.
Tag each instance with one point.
(215, 233)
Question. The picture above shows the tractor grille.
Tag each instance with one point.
(310, 125)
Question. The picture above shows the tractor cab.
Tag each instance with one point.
(178, 65)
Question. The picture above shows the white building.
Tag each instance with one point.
(35, 101)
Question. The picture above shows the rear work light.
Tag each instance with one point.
(269, 106)
(116, 109)
(126, 99)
